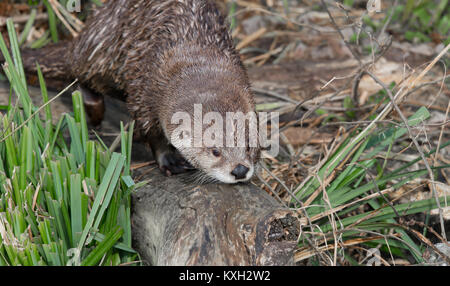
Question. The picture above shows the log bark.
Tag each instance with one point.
(177, 223)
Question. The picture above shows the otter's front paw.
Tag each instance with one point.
(172, 163)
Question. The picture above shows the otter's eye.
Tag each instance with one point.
(215, 152)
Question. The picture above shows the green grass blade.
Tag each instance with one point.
(27, 28)
(108, 242)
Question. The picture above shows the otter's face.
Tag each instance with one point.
(214, 126)
(223, 155)
(225, 164)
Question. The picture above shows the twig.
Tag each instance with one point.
(331, 218)
(355, 55)
(442, 85)
(54, 5)
(374, 254)
(442, 79)
(270, 188)
(301, 255)
(250, 38)
(289, 20)
(383, 29)
(378, 189)
(275, 94)
(281, 182)
(23, 18)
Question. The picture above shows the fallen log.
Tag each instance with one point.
(177, 223)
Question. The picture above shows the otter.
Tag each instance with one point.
(164, 57)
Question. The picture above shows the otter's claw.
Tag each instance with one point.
(169, 160)
(172, 163)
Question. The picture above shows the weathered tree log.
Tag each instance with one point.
(175, 223)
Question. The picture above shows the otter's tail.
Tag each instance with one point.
(52, 61)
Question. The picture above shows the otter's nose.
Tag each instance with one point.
(240, 172)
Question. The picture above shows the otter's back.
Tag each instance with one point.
(124, 36)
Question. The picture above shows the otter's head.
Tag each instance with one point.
(217, 137)
(223, 151)
(212, 121)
